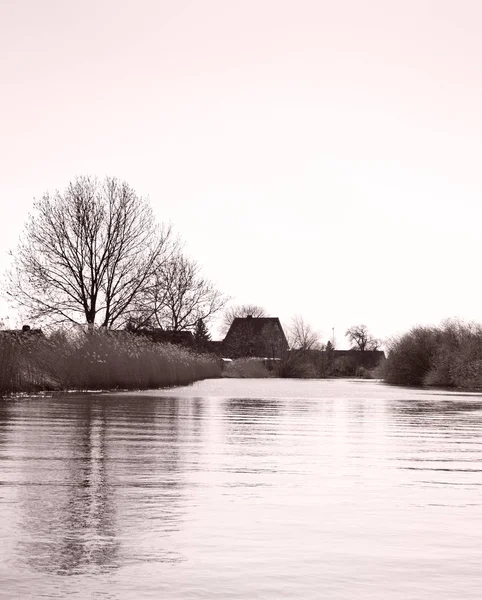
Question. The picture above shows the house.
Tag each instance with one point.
(247, 337)
(255, 336)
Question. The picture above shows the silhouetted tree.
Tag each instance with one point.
(201, 335)
(361, 339)
(304, 358)
(181, 295)
(87, 254)
(302, 336)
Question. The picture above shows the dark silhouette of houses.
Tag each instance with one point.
(255, 336)
(26, 331)
(215, 347)
(162, 336)
(367, 359)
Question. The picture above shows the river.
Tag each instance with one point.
(243, 489)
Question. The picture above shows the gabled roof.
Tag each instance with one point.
(255, 326)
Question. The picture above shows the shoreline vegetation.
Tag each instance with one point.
(101, 360)
(448, 356)
(107, 360)
(94, 256)
(135, 307)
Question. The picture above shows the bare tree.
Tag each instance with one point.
(240, 310)
(181, 296)
(361, 338)
(302, 336)
(86, 254)
(304, 358)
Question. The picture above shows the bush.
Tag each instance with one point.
(410, 356)
(345, 366)
(246, 368)
(449, 356)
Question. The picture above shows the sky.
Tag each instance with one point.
(318, 158)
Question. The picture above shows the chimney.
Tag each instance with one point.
(26, 328)
(249, 316)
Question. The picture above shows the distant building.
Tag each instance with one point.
(162, 336)
(255, 336)
(24, 332)
(366, 358)
(261, 337)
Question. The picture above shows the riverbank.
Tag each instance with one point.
(296, 366)
(101, 360)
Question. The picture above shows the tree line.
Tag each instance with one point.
(95, 255)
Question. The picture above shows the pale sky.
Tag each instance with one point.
(318, 157)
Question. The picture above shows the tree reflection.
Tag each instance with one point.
(103, 482)
(69, 514)
(252, 418)
(4, 420)
(252, 427)
(438, 411)
(438, 438)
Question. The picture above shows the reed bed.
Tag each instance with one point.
(97, 360)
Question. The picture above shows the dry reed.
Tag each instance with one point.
(98, 360)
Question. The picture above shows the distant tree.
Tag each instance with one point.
(361, 339)
(240, 311)
(304, 358)
(302, 336)
(201, 335)
(181, 295)
(87, 254)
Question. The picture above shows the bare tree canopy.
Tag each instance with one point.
(302, 336)
(181, 296)
(240, 310)
(361, 339)
(86, 254)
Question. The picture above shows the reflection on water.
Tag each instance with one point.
(66, 505)
(243, 488)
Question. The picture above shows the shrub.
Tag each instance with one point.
(246, 368)
(410, 356)
(449, 356)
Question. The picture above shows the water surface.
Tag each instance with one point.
(243, 489)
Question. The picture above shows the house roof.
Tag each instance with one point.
(255, 325)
